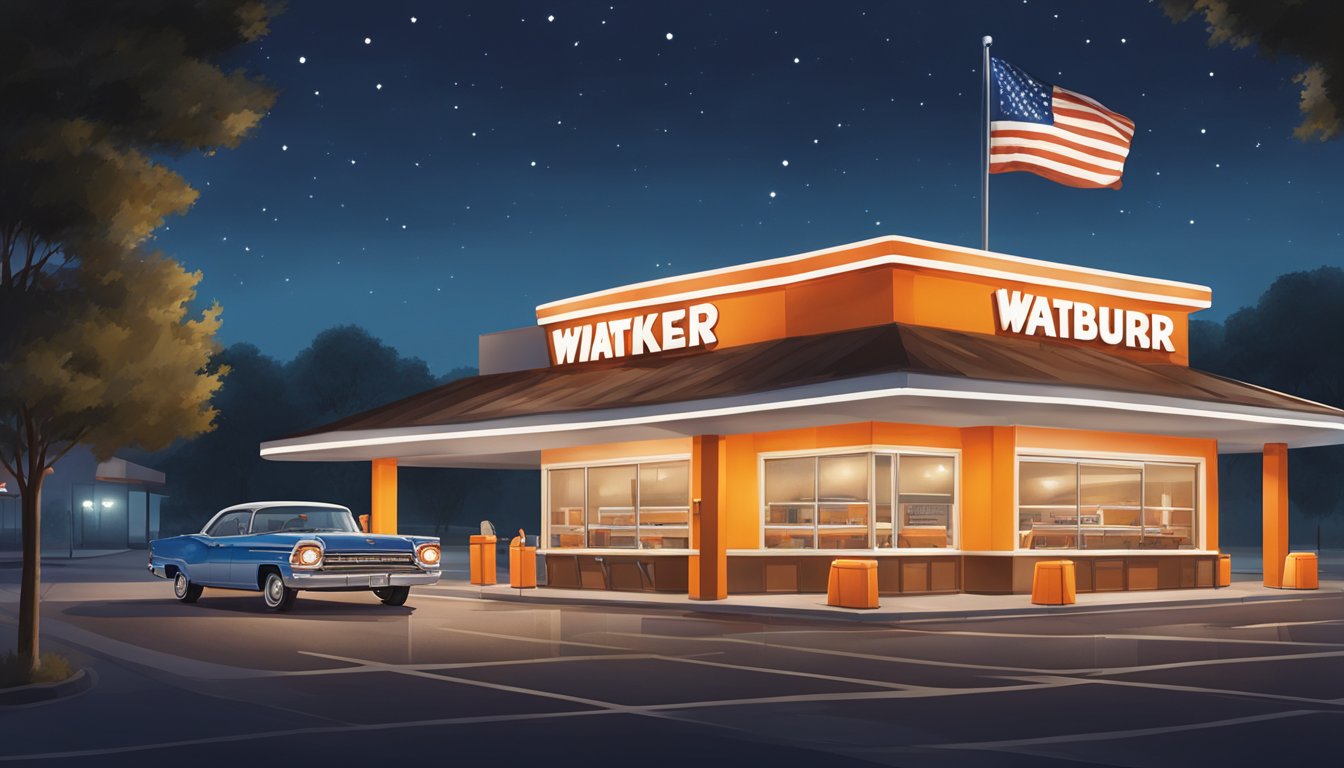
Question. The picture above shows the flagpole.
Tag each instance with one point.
(985, 42)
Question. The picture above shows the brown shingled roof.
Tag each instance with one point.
(791, 362)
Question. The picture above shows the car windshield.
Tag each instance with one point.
(301, 519)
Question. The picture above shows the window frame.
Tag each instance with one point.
(635, 461)
(1130, 460)
(871, 452)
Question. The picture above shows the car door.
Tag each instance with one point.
(219, 543)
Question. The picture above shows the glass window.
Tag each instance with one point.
(305, 519)
(565, 507)
(790, 503)
(611, 506)
(1112, 505)
(664, 505)
(1169, 505)
(882, 485)
(1047, 511)
(843, 510)
(859, 501)
(625, 506)
(926, 487)
(231, 524)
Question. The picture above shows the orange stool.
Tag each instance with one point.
(522, 563)
(483, 559)
(1224, 571)
(1299, 571)
(852, 584)
(1053, 583)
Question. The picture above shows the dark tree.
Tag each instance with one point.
(1309, 30)
(99, 345)
(1288, 341)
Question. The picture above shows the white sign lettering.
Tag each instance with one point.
(653, 332)
(1032, 315)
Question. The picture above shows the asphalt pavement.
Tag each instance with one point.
(344, 680)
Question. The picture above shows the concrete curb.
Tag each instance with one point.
(878, 615)
(83, 680)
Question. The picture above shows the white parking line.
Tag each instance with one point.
(850, 654)
(1207, 663)
(541, 640)
(1126, 734)
(1289, 624)
(234, 738)
(362, 669)
(1193, 689)
(1108, 636)
(411, 671)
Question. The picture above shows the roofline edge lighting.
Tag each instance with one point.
(1081, 402)
(876, 261)
(872, 241)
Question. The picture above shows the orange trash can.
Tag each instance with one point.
(1224, 571)
(1299, 571)
(1053, 583)
(483, 559)
(852, 584)
(522, 563)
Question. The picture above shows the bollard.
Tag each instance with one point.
(522, 563)
(1053, 583)
(1299, 571)
(852, 584)
(483, 560)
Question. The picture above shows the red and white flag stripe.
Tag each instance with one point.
(1086, 147)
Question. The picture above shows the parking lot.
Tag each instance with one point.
(344, 679)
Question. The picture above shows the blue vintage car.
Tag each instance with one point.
(281, 547)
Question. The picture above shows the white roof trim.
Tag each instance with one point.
(888, 259)
(894, 385)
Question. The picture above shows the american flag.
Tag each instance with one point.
(1054, 132)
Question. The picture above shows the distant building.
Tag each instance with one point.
(88, 504)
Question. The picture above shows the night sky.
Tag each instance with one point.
(432, 171)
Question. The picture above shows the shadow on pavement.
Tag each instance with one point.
(227, 606)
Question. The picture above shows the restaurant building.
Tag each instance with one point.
(954, 414)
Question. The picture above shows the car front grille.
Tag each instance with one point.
(369, 561)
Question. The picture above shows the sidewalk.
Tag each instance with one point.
(895, 608)
(8, 556)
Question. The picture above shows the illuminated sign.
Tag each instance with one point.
(636, 335)
(1032, 315)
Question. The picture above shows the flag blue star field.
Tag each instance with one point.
(1054, 132)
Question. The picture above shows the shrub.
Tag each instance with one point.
(14, 672)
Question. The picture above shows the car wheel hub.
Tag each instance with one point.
(180, 585)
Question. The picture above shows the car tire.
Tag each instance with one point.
(275, 594)
(184, 590)
(393, 595)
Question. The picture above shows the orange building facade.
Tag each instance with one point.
(954, 414)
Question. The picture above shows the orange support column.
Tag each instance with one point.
(708, 577)
(383, 506)
(988, 477)
(1275, 512)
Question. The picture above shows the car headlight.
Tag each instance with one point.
(306, 556)
(428, 554)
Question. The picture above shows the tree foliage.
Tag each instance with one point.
(1310, 30)
(1287, 341)
(92, 93)
(343, 372)
(99, 344)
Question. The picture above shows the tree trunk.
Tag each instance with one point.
(32, 572)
